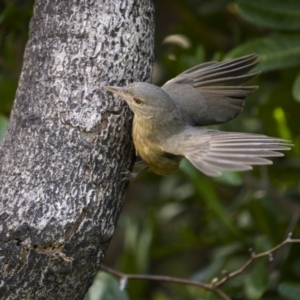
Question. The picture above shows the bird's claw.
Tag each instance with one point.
(128, 175)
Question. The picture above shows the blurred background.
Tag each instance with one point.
(188, 225)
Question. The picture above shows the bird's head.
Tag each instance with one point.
(144, 99)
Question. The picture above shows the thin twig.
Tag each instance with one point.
(286, 202)
(254, 256)
(216, 283)
(126, 277)
(156, 278)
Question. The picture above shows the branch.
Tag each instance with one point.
(125, 277)
(255, 256)
(213, 286)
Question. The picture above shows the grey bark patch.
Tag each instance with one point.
(67, 142)
(73, 228)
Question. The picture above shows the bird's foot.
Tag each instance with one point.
(128, 175)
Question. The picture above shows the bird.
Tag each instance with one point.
(168, 121)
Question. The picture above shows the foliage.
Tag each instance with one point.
(105, 287)
(188, 225)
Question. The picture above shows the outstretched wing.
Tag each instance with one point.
(211, 150)
(212, 93)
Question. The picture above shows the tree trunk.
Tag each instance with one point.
(67, 142)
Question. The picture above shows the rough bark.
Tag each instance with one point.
(68, 140)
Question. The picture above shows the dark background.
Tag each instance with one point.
(186, 224)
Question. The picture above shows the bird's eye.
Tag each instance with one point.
(137, 101)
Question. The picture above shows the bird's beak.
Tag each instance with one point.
(116, 90)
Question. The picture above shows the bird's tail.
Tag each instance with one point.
(211, 151)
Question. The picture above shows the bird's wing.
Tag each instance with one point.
(211, 150)
(212, 93)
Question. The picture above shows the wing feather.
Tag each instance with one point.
(213, 93)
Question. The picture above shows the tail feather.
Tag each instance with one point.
(247, 153)
(204, 167)
(211, 151)
(249, 160)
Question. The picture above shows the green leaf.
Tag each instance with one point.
(210, 271)
(230, 178)
(296, 267)
(7, 91)
(256, 281)
(278, 4)
(105, 287)
(296, 88)
(289, 290)
(208, 195)
(3, 125)
(281, 120)
(206, 8)
(143, 247)
(137, 244)
(275, 52)
(271, 14)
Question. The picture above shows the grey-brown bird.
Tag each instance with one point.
(166, 119)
